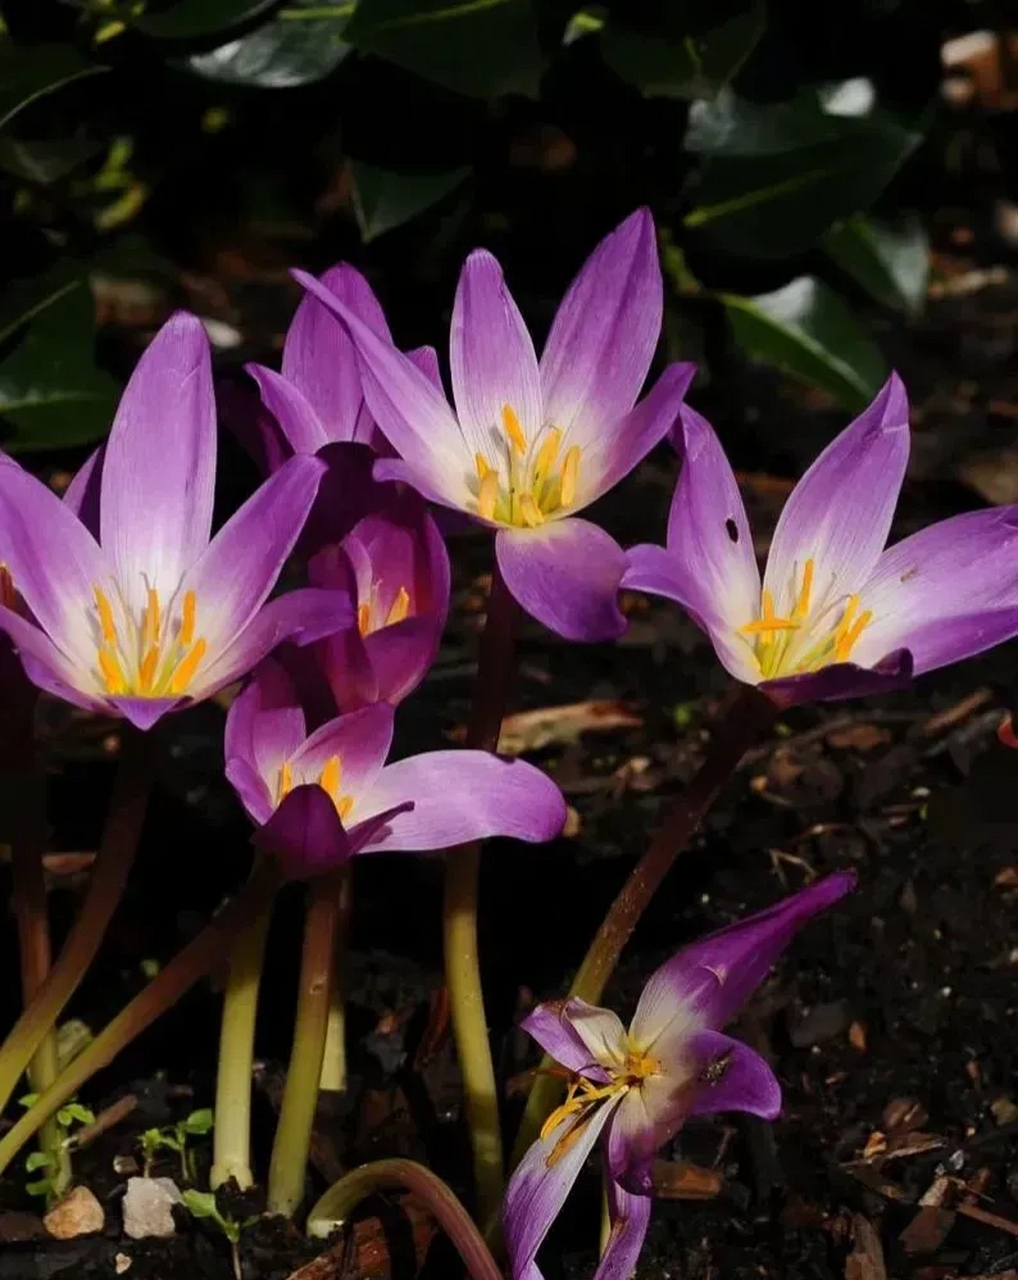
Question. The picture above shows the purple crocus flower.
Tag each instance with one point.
(321, 799)
(395, 568)
(637, 1087)
(134, 609)
(836, 615)
(531, 444)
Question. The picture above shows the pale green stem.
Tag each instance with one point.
(333, 1078)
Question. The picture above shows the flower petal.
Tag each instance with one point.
(538, 1189)
(82, 494)
(604, 334)
(579, 1036)
(567, 575)
(491, 359)
(842, 680)
(159, 470)
(265, 724)
(297, 420)
(611, 455)
(361, 740)
(251, 789)
(44, 664)
(319, 356)
(243, 414)
(710, 979)
(464, 795)
(840, 512)
(304, 834)
(629, 1216)
(732, 1077)
(143, 713)
(412, 413)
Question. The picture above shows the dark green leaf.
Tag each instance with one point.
(702, 47)
(384, 199)
(193, 19)
(51, 393)
(24, 299)
(29, 71)
(482, 48)
(290, 50)
(806, 330)
(45, 160)
(892, 263)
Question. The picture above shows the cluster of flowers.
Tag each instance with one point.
(120, 600)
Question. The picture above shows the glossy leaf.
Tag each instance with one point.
(284, 53)
(700, 50)
(806, 329)
(194, 19)
(892, 263)
(29, 71)
(51, 392)
(481, 48)
(384, 199)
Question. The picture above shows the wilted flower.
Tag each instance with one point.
(638, 1087)
(837, 615)
(530, 445)
(134, 609)
(321, 799)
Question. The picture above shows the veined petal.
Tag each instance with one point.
(319, 356)
(538, 1189)
(412, 413)
(551, 1025)
(566, 574)
(840, 512)
(732, 1077)
(400, 656)
(604, 334)
(707, 981)
(265, 723)
(360, 740)
(305, 834)
(937, 644)
(159, 469)
(492, 360)
(294, 413)
(82, 494)
(464, 795)
(611, 455)
(629, 1216)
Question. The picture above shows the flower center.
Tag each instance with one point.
(329, 780)
(156, 657)
(806, 640)
(526, 483)
(584, 1096)
(370, 617)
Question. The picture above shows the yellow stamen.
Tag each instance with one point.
(364, 618)
(187, 623)
(109, 630)
(399, 609)
(530, 511)
(111, 672)
(343, 806)
(548, 451)
(187, 666)
(331, 775)
(768, 620)
(801, 609)
(151, 618)
(845, 643)
(484, 468)
(570, 473)
(285, 781)
(513, 429)
(147, 670)
(488, 496)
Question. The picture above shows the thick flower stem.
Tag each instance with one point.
(109, 876)
(195, 961)
(749, 715)
(231, 1139)
(333, 1078)
(406, 1175)
(462, 872)
(288, 1165)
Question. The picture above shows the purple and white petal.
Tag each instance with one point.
(732, 1077)
(551, 1025)
(46, 666)
(293, 412)
(464, 795)
(937, 644)
(629, 1216)
(361, 740)
(265, 723)
(83, 493)
(305, 834)
(566, 574)
(604, 334)
(159, 468)
(143, 713)
(400, 656)
(251, 788)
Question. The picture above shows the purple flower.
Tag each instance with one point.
(321, 799)
(395, 568)
(135, 610)
(837, 615)
(638, 1087)
(531, 444)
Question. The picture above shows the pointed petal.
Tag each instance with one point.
(82, 494)
(159, 470)
(464, 795)
(370, 835)
(604, 334)
(567, 575)
(412, 413)
(234, 576)
(710, 979)
(936, 593)
(732, 1077)
(579, 1036)
(611, 455)
(840, 512)
(629, 1216)
(265, 723)
(361, 740)
(44, 664)
(297, 420)
(491, 359)
(251, 789)
(143, 713)
(401, 656)
(304, 834)
(243, 414)
(319, 357)
(842, 680)
(426, 359)
(537, 1191)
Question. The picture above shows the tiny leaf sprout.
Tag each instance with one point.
(174, 1138)
(54, 1164)
(202, 1204)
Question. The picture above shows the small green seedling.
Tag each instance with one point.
(174, 1138)
(54, 1165)
(202, 1204)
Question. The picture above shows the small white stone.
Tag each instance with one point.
(121, 1263)
(79, 1213)
(147, 1207)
